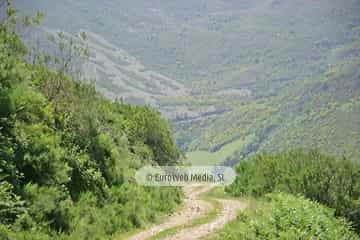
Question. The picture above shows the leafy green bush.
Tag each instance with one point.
(68, 155)
(288, 217)
(11, 206)
(332, 182)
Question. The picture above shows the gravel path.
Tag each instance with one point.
(193, 209)
(228, 213)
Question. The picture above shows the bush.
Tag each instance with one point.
(11, 206)
(288, 217)
(332, 182)
(68, 156)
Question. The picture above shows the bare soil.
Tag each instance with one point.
(193, 209)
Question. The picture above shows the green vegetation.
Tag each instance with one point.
(327, 180)
(68, 155)
(278, 74)
(250, 41)
(284, 216)
(210, 158)
(322, 112)
(273, 75)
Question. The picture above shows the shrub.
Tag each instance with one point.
(11, 206)
(332, 182)
(288, 217)
(68, 155)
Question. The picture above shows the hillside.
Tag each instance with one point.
(273, 74)
(98, 90)
(321, 112)
(68, 155)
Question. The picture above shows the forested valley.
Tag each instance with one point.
(81, 112)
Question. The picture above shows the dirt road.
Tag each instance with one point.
(194, 208)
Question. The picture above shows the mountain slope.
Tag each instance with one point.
(271, 74)
(68, 155)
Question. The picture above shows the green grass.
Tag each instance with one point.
(218, 193)
(218, 157)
